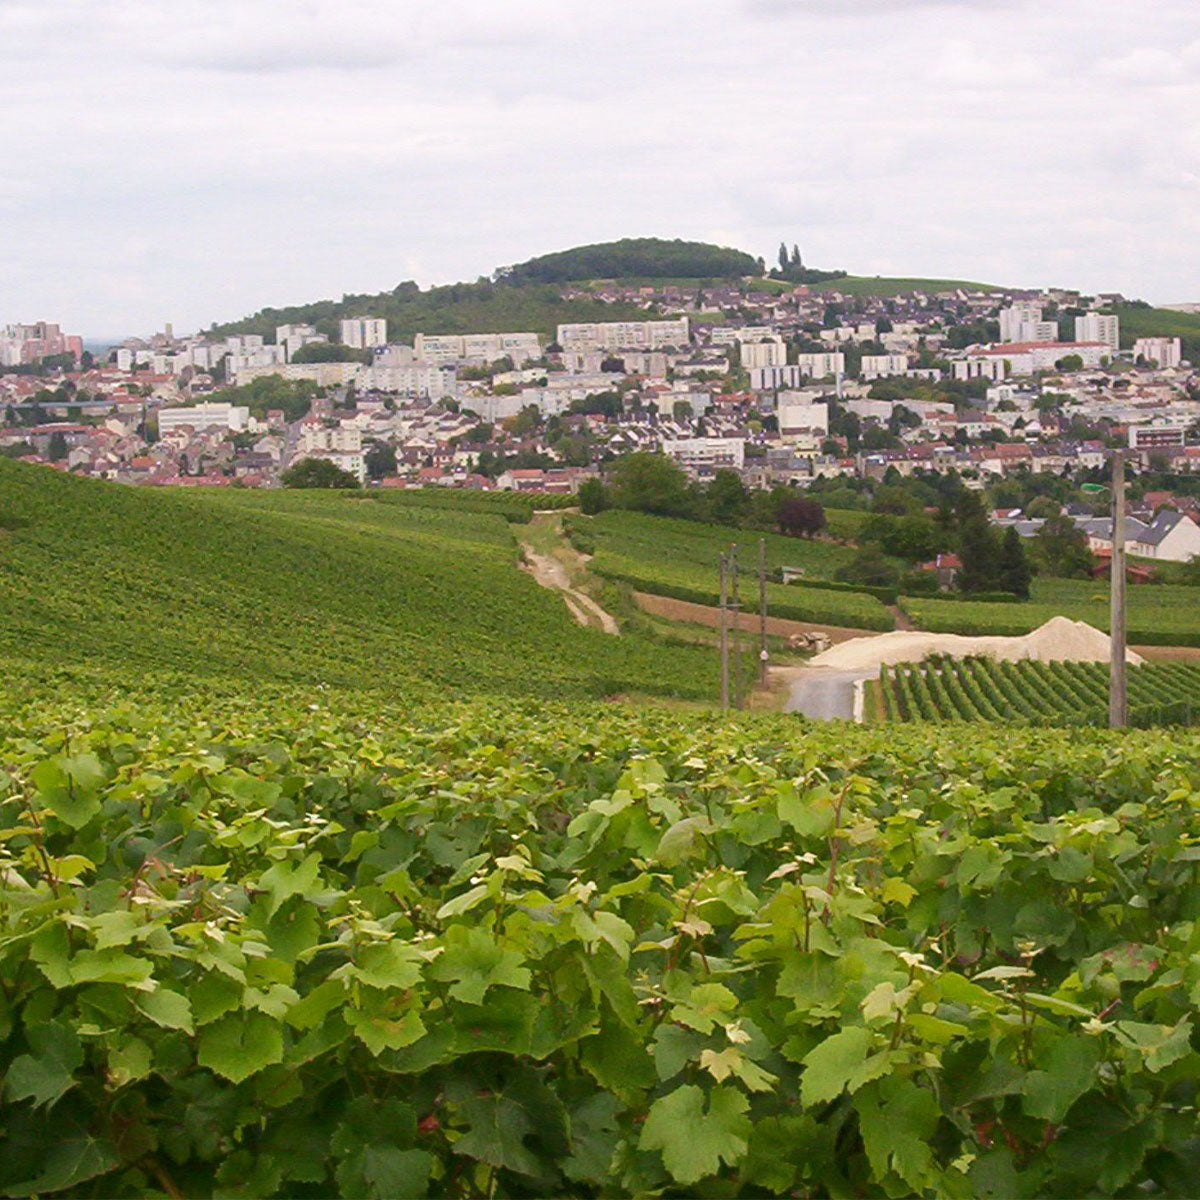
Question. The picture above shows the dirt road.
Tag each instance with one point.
(823, 694)
(551, 573)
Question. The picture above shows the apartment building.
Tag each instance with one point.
(624, 335)
(703, 455)
(1161, 351)
(364, 333)
(1097, 327)
(202, 416)
(443, 348)
(1022, 322)
(415, 379)
(756, 355)
(879, 366)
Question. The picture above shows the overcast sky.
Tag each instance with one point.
(194, 160)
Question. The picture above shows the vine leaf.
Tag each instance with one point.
(238, 1045)
(47, 1072)
(693, 1142)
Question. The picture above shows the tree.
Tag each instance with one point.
(57, 450)
(380, 460)
(323, 352)
(1013, 571)
(869, 567)
(783, 256)
(593, 496)
(795, 261)
(799, 516)
(978, 552)
(727, 498)
(1070, 362)
(651, 483)
(1060, 548)
(317, 473)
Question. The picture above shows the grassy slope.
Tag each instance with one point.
(261, 588)
(672, 557)
(1137, 322)
(875, 285)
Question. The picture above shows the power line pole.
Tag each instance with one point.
(762, 611)
(1118, 711)
(737, 629)
(724, 641)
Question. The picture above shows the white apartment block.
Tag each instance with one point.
(364, 333)
(707, 453)
(416, 379)
(316, 437)
(797, 420)
(1158, 434)
(723, 335)
(624, 335)
(878, 366)
(202, 416)
(260, 356)
(1022, 322)
(821, 363)
(443, 348)
(1163, 352)
(756, 355)
(1019, 359)
(292, 337)
(1096, 327)
(809, 366)
(324, 374)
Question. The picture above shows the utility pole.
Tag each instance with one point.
(762, 611)
(1118, 712)
(737, 629)
(724, 640)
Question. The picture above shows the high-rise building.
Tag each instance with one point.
(1162, 351)
(1022, 322)
(1097, 327)
(364, 333)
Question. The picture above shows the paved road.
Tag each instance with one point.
(825, 695)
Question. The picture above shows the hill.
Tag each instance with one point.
(655, 258)
(257, 589)
(1142, 320)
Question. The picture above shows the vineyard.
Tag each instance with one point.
(517, 507)
(679, 558)
(281, 917)
(1065, 693)
(260, 587)
(1158, 614)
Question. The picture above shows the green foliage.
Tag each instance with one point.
(634, 258)
(1060, 548)
(319, 352)
(499, 949)
(292, 397)
(593, 497)
(650, 483)
(1141, 320)
(318, 473)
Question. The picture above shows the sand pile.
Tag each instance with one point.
(1059, 640)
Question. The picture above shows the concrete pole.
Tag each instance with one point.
(735, 604)
(724, 640)
(762, 611)
(1118, 711)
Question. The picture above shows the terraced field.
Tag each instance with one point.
(1059, 693)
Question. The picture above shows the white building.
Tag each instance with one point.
(624, 335)
(364, 333)
(707, 453)
(323, 374)
(340, 444)
(1162, 351)
(1025, 358)
(878, 366)
(797, 420)
(1158, 433)
(292, 337)
(443, 348)
(1096, 327)
(1022, 322)
(756, 355)
(416, 379)
(202, 416)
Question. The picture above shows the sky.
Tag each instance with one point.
(196, 160)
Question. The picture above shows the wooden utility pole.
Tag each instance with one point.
(1118, 710)
(735, 604)
(762, 611)
(724, 639)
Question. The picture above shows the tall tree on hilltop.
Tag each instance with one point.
(796, 256)
(783, 256)
(1014, 573)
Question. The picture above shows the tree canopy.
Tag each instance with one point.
(634, 257)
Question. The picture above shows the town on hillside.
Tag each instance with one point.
(793, 384)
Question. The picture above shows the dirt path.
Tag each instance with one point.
(551, 573)
(821, 694)
(702, 614)
(902, 618)
(548, 557)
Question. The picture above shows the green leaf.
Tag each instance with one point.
(896, 1119)
(1070, 1070)
(683, 840)
(375, 1147)
(474, 961)
(68, 787)
(1161, 1045)
(109, 966)
(595, 1132)
(128, 1062)
(809, 813)
(286, 879)
(833, 1065)
(169, 1009)
(693, 1142)
(71, 1159)
(47, 1071)
(384, 1022)
(238, 1045)
(392, 964)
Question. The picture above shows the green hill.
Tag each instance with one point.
(258, 589)
(1141, 320)
(631, 258)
